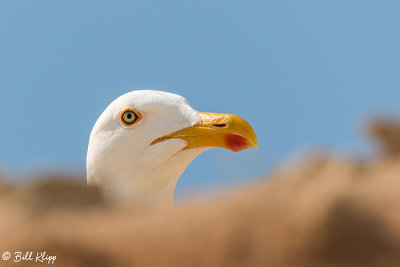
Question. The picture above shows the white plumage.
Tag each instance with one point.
(143, 161)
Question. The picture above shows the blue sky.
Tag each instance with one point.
(303, 73)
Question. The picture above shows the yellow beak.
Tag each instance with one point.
(217, 130)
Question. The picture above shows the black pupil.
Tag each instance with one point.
(129, 117)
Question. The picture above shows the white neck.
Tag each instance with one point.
(139, 186)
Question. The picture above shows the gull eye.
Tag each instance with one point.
(130, 116)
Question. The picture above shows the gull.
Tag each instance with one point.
(144, 140)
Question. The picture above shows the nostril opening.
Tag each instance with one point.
(219, 125)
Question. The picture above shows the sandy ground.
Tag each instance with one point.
(324, 211)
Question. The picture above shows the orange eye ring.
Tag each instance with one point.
(130, 116)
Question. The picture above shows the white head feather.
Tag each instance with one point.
(121, 159)
(126, 163)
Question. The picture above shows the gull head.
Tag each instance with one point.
(145, 139)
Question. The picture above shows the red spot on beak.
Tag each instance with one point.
(235, 142)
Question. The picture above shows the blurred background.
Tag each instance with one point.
(317, 80)
(303, 73)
